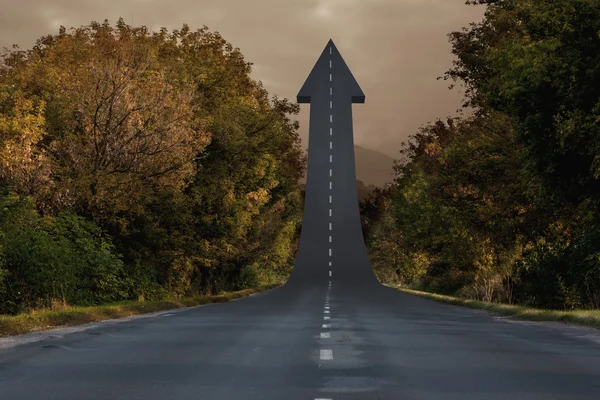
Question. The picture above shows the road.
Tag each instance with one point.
(384, 345)
(331, 333)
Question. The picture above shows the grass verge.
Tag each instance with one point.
(589, 318)
(45, 319)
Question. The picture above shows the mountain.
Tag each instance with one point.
(373, 167)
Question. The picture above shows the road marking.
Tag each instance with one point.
(330, 145)
(330, 77)
(326, 318)
(330, 187)
(325, 335)
(329, 239)
(329, 252)
(326, 311)
(330, 118)
(330, 104)
(327, 307)
(330, 131)
(326, 326)
(329, 63)
(330, 199)
(326, 354)
(331, 91)
(330, 172)
(322, 399)
(330, 211)
(330, 226)
(329, 273)
(330, 263)
(330, 49)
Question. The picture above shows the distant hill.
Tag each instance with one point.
(372, 167)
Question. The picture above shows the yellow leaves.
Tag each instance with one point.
(21, 128)
(257, 199)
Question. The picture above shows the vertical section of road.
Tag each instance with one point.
(336, 247)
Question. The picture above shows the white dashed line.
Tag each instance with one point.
(326, 326)
(330, 131)
(329, 273)
(329, 252)
(330, 145)
(326, 311)
(330, 104)
(330, 77)
(327, 307)
(326, 354)
(331, 118)
(330, 49)
(330, 172)
(330, 226)
(329, 239)
(330, 199)
(325, 335)
(330, 263)
(330, 211)
(326, 318)
(330, 158)
(330, 64)
(330, 185)
(331, 91)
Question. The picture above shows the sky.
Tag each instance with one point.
(395, 48)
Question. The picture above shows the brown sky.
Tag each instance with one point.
(395, 48)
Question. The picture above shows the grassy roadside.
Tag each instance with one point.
(589, 318)
(45, 319)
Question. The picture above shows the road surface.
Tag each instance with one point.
(377, 344)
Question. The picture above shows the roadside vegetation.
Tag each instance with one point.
(139, 165)
(61, 315)
(502, 204)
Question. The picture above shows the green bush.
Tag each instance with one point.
(63, 258)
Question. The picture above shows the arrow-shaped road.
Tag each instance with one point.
(338, 337)
(331, 244)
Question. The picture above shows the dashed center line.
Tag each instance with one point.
(325, 335)
(326, 326)
(326, 354)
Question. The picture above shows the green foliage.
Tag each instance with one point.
(62, 258)
(161, 141)
(537, 61)
(503, 205)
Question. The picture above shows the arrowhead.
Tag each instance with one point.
(343, 80)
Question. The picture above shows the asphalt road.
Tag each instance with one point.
(383, 345)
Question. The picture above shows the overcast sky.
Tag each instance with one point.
(395, 48)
